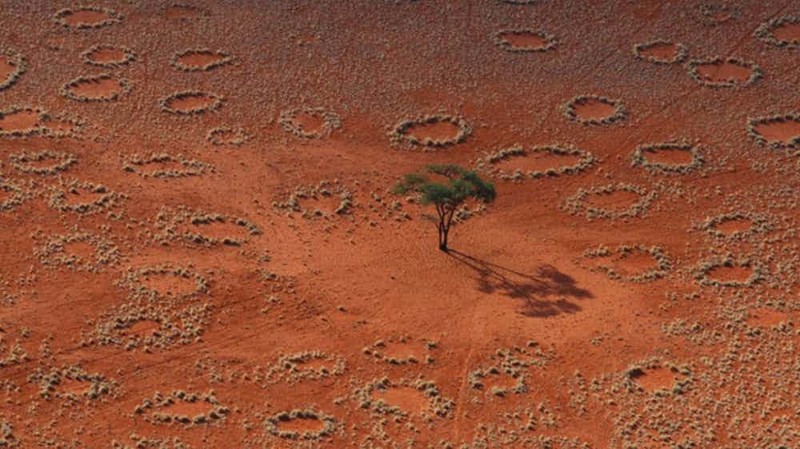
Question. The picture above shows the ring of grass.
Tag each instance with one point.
(66, 89)
(129, 56)
(290, 366)
(755, 71)
(225, 59)
(639, 158)
(760, 224)
(168, 222)
(399, 135)
(681, 52)
(487, 162)
(702, 271)
(132, 280)
(58, 197)
(52, 252)
(113, 17)
(49, 380)
(765, 31)
(218, 411)
(504, 44)
(20, 66)
(328, 424)
(190, 167)
(662, 268)
(292, 201)
(438, 405)
(24, 162)
(17, 195)
(330, 121)
(753, 123)
(217, 136)
(215, 104)
(619, 114)
(575, 204)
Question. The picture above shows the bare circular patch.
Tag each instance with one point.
(326, 200)
(180, 407)
(661, 51)
(610, 201)
(678, 158)
(629, 263)
(82, 197)
(108, 56)
(430, 131)
(102, 87)
(724, 72)
(404, 398)
(86, 17)
(524, 40)
(184, 12)
(21, 122)
(199, 228)
(735, 225)
(79, 251)
(716, 14)
(191, 102)
(45, 162)
(162, 165)
(781, 32)
(200, 59)
(12, 66)
(777, 131)
(308, 424)
(517, 163)
(309, 123)
(225, 135)
(728, 272)
(594, 110)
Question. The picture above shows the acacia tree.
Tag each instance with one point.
(448, 195)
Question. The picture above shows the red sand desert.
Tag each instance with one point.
(201, 248)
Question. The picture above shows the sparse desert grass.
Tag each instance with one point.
(661, 51)
(224, 135)
(108, 56)
(298, 122)
(164, 166)
(767, 32)
(12, 194)
(660, 267)
(7, 438)
(30, 162)
(402, 135)
(489, 162)
(18, 65)
(724, 72)
(521, 40)
(103, 87)
(577, 203)
(594, 110)
(168, 408)
(200, 59)
(191, 102)
(86, 17)
(55, 251)
(643, 154)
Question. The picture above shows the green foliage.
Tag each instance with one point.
(448, 194)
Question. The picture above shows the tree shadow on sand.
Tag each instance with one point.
(546, 292)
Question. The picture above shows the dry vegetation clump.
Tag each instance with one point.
(135, 280)
(400, 136)
(206, 102)
(99, 197)
(680, 51)
(14, 354)
(273, 424)
(437, 405)
(20, 65)
(186, 225)
(621, 253)
(765, 31)
(757, 224)
(13, 195)
(225, 135)
(157, 410)
(89, 56)
(488, 162)
(694, 65)
(111, 17)
(702, 273)
(136, 163)
(150, 324)
(387, 350)
(576, 204)
(124, 88)
(54, 383)
(547, 40)
(29, 162)
(217, 58)
(141, 442)
(7, 438)
(55, 252)
(298, 199)
(571, 110)
(754, 123)
(290, 123)
(641, 152)
(310, 365)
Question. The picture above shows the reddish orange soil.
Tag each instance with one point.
(537, 161)
(661, 52)
(524, 40)
(724, 71)
(594, 109)
(199, 59)
(96, 89)
(85, 17)
(107, 55)
(6, 67)
(789, 32)
(517, 295)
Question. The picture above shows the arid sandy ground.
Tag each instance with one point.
(200, 248)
